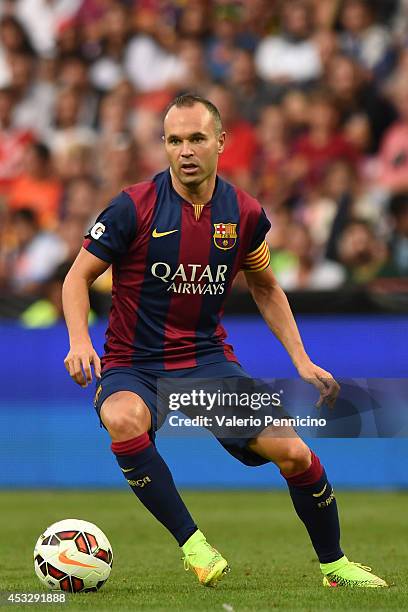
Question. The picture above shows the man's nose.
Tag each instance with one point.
(186, 149)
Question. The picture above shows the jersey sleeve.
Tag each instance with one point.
(258, 256)
(114, 229)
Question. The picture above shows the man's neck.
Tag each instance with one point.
(197, 194)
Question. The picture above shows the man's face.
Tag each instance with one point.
(192, 143)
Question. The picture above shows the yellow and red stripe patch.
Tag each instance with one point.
(198, 209)
(258, 260)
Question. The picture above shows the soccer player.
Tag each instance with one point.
(176, 243)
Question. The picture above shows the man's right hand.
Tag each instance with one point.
(78, 363)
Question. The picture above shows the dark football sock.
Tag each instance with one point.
(151, 481)
(313, 498)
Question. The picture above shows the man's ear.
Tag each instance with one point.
(221, 142)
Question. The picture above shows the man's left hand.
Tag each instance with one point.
(323, 381)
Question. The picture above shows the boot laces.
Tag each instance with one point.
(364, 567)
(186, 560)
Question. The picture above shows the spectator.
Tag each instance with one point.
(150, 66)
(13, 142)
(319, 208)
(295, 108)
(113, 117)
(119, 165)
(47, 310)
(147, 130)
(73, 73)
(273, 163)
(258, 19)
(361, 252)
(328, 46)
(357, 132)
(70, 233)
(400, 69)
(280, 217)
(107, 70)
(75, 162)
(399, 237)
(196, 78)
(304, 269)
(194, 20)
(393, 156)
(13, 39)
(37, 188)
(67, 131)
(323, 143)
(34, 99)
(43, 19)
(32, 255)
(352, 95)
(251, 93)
(399, 22)
(82, 201)
(292, 55)
(364, 40)
(236, 162)
(325, 14)
(221, 45)
(69, 41)
(90, 15)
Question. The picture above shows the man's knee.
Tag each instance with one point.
(125, 415)
(296, 459)
(289, 453)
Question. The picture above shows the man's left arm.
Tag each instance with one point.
(274, 307)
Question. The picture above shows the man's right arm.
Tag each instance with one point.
(75, 298)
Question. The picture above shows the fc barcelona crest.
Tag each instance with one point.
(225, 235)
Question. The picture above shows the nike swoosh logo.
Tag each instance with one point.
(64, 559)
(127, 469)
(157, 234)
(321, 492)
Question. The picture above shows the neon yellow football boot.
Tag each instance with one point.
(349, 574)
(209, 565)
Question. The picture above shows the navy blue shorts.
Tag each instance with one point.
(144, 383)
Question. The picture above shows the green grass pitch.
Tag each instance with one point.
(273, 564)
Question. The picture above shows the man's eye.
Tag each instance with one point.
(198, 139)
(174, 141)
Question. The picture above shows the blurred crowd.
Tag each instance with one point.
(313, 96)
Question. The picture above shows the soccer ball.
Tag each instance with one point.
(73, 555)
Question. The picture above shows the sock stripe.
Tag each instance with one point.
(313, 474)
(132, 446)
